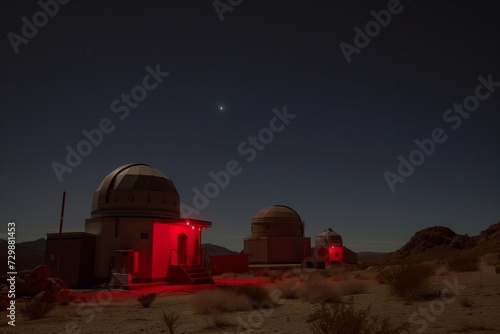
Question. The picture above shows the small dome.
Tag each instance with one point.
(328, 237)
(136, 190)
(277, 221)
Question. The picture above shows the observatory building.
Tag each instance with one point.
(135, 232)
(277, 237)
(329, 249)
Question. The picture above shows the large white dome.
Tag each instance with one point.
(136, 190)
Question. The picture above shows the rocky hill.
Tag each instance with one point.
(440, 242)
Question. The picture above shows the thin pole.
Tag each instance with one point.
(60, 233)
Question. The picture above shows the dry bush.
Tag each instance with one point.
(492, 259)
(35, 309)
(441, 271)
(218, 320)
(408, 281)
(464, 262)
(263, 272)
(364, 277)
(254, 292)
(319, 291)
(325, 273)
(288, 291)
(340, 277)
(147, 299)
(467, 327)
(379, 278)
(465, 302)
(343, 319)
(225, 300)
(171, 320)
(354, 287)
(367, 264)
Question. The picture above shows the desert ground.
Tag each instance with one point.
(464, 302)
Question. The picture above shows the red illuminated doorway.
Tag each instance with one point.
(182, 249)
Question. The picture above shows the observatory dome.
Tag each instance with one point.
(136, 190)
(277, 221)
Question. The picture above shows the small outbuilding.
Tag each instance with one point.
(329, 249)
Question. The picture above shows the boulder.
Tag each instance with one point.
(63, 297)
(21, 287)
(42, 271)
(60, 282)
(37, 287)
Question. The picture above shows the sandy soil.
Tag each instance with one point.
(120, 312)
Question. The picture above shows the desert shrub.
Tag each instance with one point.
(467, 327)
(35, 309)
(340, 277)
(147, 299)
(442, 271)
(379, 278)
(171, 320)
(319, 291)
(466, 262)
(492, 259)
(354, 287)
(341, 318)
(288, 291)
(367, 264)
(254, 292)
(218, 320)
(365, 276)
(225, 300)
(325, 273)
(408, 281)
(465, 302)
(261, 272)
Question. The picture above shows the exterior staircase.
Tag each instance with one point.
(188, 274)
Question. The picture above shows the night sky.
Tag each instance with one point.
(343, 124)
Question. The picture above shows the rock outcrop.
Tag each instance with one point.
(441, 242)
(35, 283)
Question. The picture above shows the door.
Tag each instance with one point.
(182, 249)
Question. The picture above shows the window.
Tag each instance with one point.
(144, 235)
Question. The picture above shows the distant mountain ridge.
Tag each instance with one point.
(29, 254)
(217, 250)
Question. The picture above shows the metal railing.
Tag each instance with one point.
(206, 261)
(188, 259)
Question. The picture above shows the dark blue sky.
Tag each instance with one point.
(352, 120)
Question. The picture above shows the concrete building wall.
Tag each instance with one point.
(121, 234)
(277, 249)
